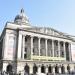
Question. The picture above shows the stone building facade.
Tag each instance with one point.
(39, 49)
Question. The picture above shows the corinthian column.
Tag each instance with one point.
(39, 45)
(70, 52)
(59, 48)
(64, 50)
(46, 46)
(31, 45)
(53, 48)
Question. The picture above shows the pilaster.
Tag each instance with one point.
(23, 41)
(19, 45)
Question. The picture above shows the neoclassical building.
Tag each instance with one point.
(28, 48)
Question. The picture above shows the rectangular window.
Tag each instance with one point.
(25, 39)
(61, 44)
(62, 54)
(25, 56)
(25, 50)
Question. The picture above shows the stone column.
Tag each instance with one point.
(70, 52)
(31, 69)
(39, 45)
(39, 69)
(53, 70)
(53, 47)
(46, 69)
(31, 45)
(23, 46)
(64, 51)
(46, 46)
(65, 68)
(4, 66)
(59, 48)
(59, 68)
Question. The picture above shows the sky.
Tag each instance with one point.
(57, 14)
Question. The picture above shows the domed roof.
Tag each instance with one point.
(21, 18)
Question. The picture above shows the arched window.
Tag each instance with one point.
(9, 68)
(50, 69)
(56, 69)
(62, 69)
(68, 68)
(35, 69)
(42, 69)
(26, 68)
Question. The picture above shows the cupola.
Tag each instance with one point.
(21, 18)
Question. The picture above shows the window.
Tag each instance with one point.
(57, 53)
(25, 39)
(25, 49)
(33, 51)
(62, 54)
(25, 56)
(56, 43)
(61, 44)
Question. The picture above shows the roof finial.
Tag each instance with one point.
(22, 10)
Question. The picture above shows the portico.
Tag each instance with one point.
(44, 47)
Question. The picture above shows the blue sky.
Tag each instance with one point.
(57, 14)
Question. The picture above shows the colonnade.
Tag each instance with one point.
(55, 44)
(50, 68)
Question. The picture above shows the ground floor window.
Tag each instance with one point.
(9, 68)
(50, 69)
(56, 69)
(62, 69)
(42, 69)
(68, 68)
(26, 68)
(35, 69)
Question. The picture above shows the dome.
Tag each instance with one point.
(21, 18)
